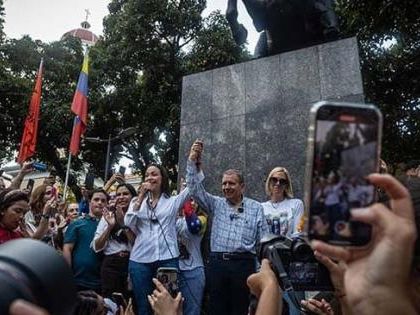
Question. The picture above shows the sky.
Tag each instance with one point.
(48, 20)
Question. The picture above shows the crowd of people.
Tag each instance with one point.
(117, 244)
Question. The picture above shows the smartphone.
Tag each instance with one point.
(89, 180)
(122, 170)
(30, 185)
(169, 278)
(343, 148)
(119, 299)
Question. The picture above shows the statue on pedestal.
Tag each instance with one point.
(285, 24)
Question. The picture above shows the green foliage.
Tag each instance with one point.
(389, 39)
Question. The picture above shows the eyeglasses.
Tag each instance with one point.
(278, 181)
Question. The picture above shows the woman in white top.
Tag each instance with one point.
(282, 211)
(114, 240)
(152, 218)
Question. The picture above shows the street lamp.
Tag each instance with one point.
(123, 134)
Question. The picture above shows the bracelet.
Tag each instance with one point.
(45, 216)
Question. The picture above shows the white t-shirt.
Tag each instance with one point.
(192, 243)
(283, 217)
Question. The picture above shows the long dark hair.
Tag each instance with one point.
(10, 196)
(129, 187)
(164, 187)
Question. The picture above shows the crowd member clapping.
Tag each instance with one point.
(77, 244)
(151, 216)
(115, 240)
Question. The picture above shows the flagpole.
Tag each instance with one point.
(68, 168)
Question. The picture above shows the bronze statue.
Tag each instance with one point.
(285, 24)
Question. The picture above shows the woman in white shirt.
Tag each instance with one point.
(114, 240)
(152, 218)
(282, 211)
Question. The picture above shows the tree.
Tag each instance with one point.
(148, 46)
(389, 41)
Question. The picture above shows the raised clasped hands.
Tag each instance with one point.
(196, 150)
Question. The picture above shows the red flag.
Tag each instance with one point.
(79, 107)
(30, 131)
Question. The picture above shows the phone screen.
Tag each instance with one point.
(121, 170)
(169, 278)
(346, 150)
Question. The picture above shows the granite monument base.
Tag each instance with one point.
(253, 116)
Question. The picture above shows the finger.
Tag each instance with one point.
(265, 264)
(334, 252)
(178, 298)
(400, 196)
(326, 261)
(159, 285)
(315, 302)
(310, 307)
(21, 307)
(151, 301)
(376, 215)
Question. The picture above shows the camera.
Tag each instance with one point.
(35, 272)
(294, 263)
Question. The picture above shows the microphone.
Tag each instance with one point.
(149, 197)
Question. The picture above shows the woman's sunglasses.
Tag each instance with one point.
(278, 181)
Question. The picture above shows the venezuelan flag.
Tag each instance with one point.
(79, 107)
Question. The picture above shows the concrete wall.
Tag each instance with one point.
(253, 116)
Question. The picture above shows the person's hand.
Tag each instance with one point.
(263, 279)
(26, 168)
(162, 302)
(377, 277)
(336, 273)
(21, 307)
(318, 307)
(129, 310)
(109, 217)
(50, 206)
(196, 150)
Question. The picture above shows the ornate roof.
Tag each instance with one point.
(83, 33)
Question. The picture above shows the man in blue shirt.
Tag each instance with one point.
(238, 225)
(77, 249)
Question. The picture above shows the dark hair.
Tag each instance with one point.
(129, 187)
(87, 303)
(96, 191)
(411, 164)
(10, 196)
(164, 188)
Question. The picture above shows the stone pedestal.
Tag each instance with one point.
(253, 116)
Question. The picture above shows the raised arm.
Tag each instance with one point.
(195, 178)
(130, 218)
(17, 181)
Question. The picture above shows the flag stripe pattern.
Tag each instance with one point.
(79, 107)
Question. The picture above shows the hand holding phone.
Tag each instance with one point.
(119, 299)
(169, 279)
(343, 149)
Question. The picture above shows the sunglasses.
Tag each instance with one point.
(279, 181)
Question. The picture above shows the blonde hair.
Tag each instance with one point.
(288, 192)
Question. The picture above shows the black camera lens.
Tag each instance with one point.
(301, 251)
(35, 272)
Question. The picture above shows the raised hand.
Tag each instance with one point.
(196, 150)
(109, 217)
